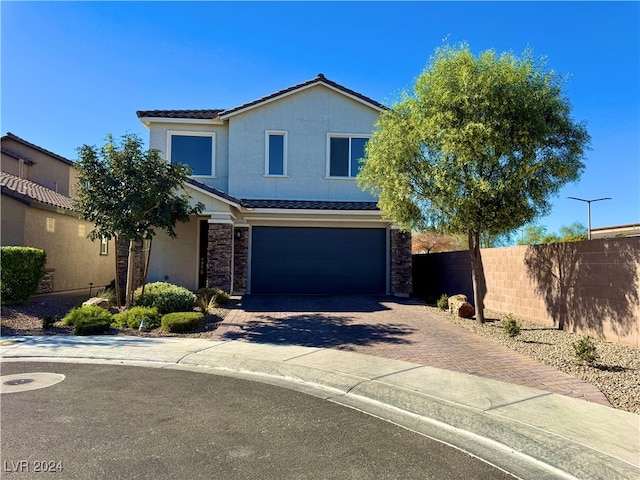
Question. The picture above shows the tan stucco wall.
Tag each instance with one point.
(76, 259)
(12, 228)
(176, 258)
(47, 171)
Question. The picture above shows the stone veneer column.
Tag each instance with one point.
(401, 263)
(240, 259)
(122, 252)
(220, 256)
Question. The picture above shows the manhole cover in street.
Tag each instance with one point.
(19, 381)
(22, 382)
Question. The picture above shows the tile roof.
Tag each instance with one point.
(310, 204)
(214, 191)
(212, 114)
(320, 79)
(27, 191)
(191, 114)
(11, 136)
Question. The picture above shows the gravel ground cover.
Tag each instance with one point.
(616, 372)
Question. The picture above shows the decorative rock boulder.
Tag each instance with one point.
(458, 305)
(99, 302)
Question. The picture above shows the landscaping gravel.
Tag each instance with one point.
(616, 371)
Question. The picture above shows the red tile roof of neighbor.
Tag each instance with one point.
(27, 191)
(11, 136)
(220, 113)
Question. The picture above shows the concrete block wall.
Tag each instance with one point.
(590, 287)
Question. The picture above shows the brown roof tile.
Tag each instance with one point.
(27, 191)
(217, 113)
(191, 114)
(309, 204)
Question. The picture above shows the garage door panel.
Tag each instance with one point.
(318, 260)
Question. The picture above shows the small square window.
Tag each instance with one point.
(345, 153)
(276, 153)
(194, 149)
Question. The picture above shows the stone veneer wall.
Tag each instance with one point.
(401, 263)
(240, 260)
(219, 256)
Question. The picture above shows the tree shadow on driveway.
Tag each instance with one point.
(318, 330)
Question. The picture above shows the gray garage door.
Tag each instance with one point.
(318, 260)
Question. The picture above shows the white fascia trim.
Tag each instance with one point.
(212, 195)
(286, 94)
(193, 121)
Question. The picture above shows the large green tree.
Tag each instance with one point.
(477, 147)
(128, 193)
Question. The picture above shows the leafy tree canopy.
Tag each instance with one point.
(128, 192)
(535, 234)
(477, 147)
(481, 143)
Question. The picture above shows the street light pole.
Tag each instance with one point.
(588, 202)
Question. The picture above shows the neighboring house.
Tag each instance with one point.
(629, 230)
(283, 212)
(37, 186)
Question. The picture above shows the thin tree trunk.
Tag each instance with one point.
(146, 266)
(118, 299)
(477, 275)
(130, 275)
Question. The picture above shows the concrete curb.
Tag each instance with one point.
(527, 432)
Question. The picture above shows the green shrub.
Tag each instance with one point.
(133, 317)
(585, 350)
(511, 326)
(443, 302)
(21, 269)
(209, 298)
(48, 321)
(166, 297)
(179, 322)
(88, 320)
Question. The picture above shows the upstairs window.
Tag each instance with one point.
(276, 154)
(196, 149)
(345, 151)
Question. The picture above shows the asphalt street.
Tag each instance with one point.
(123, 422)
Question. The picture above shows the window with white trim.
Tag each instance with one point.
(196, 149)
(275, 153)
(345, 152)
(104, 246)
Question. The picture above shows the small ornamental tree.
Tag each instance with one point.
(477, 148)
(129, 193)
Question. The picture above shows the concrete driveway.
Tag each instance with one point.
(390, 327)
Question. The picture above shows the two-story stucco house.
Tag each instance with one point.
(283, 212)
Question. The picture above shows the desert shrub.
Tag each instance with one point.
(585, 350)
(108, 294)
(21, 269)
(443, 302)
(179, 322)
(166, 297)
(209, 298)
(511, 326)
(133, 317)
(48, 321)
(88, 320)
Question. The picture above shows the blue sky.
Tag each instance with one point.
(74, 71)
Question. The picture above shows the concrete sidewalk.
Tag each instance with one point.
(528, 432)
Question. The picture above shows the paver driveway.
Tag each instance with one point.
(402, 329)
